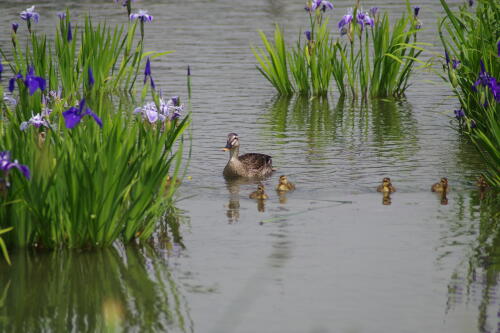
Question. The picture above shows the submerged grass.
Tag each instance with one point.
(97, 170)
(471, 39)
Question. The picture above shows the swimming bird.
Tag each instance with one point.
(440, 187)
(260, 194)
(252, 165)
(284, 185)
(481, 183)
(386, 186)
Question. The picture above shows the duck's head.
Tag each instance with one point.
(260, 188)
(386, 181)
(283, 180)
(233, 141)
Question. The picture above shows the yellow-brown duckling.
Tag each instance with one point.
(441, 187)
(284, 185)
(260, 194)
(386, 186)
(481, 183)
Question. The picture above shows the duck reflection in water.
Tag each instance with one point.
(233, 187)
(443, 199)
(386, 199)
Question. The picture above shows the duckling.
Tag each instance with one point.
(386, 186)
(482, 184)
(260, 194)
(168, 181)
(284, 185)
(252, 165)
(440, 187)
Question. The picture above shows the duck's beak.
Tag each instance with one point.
(227, 147)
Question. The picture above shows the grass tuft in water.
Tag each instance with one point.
(371, 57)
(470, 37)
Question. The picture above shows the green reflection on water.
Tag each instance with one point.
(475, 226)
(350, 123)
(117, 289)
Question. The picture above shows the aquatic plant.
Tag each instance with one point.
(30, 15)
(93, 179)
(371, 57)
(3, 246)
(134, 289)
(471, 66)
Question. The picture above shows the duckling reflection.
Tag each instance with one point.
(386, 198)
(386, 186)
(441, 187)
(233, 187)
(443, 199)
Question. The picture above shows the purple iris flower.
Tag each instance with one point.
(9, 99)
(1, 68)
(364, 19)
(459, 114)
(69, 36)
(124, 2)
(37, 121)
(143, 16)
(15, 26)
(150, 112)
(30, 14)
(471, 3)
(147, 69)
(6, 164)
(373, 11)
(447, 57)
(189, 71)
(147, 73)
(346, 19)
(73, 115)
(455, 63)
(34, 82)
(170, 108)
(12, 82)
(308, 35)
(416, 10)
(62, 15)
(484, 79)
(321, 4)
(90, 77)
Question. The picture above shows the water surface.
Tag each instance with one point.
(329, 257)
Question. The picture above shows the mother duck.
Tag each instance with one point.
(252, 165)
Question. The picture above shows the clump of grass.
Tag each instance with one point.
(374, 58)
(471, 42)
(97, 169)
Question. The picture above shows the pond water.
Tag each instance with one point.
(332, 256)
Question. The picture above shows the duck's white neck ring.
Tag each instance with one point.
(233, 153)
